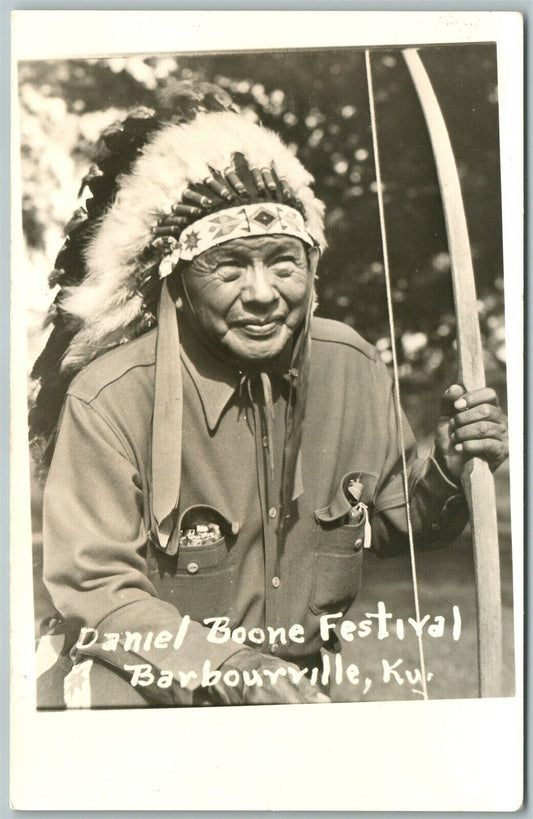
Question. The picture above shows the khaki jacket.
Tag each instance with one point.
(104, 566)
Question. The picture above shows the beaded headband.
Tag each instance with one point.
(266, 219)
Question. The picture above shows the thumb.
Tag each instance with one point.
(311, 692)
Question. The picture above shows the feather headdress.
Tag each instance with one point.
(155, 176)
(109, 301)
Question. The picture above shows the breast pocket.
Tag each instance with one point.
(338, 553)
(196, 573)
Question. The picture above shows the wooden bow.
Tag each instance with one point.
(476, 478)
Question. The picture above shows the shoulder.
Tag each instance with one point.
(338, 336)
(125, 361)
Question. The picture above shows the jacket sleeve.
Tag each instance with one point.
(437, 505)
(94, 557)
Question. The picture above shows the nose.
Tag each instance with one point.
(258, 287)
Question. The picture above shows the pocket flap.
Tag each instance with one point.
(342, 502)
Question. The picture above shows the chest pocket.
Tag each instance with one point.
(338, 548)
(196, 572)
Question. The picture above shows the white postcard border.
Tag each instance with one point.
(452, 755)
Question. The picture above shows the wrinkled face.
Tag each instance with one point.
(250, 295)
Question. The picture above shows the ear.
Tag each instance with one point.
(313, 258)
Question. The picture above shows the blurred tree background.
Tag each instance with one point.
(317, 101)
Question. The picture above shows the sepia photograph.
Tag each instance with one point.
(264, 308)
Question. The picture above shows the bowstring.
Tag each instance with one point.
(396, 376)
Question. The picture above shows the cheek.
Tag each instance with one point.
(295, 290)
(212, 299)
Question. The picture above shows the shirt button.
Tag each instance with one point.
(272, 512)
(275, 582)
(265, 441)
(274, 648)
(192, 568)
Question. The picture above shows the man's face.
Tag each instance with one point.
(250, 295)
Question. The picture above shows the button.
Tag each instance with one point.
(275, 582)
(274, 648)
(272, 513)
(192, 568)
(265, 441)
(358, 542)
(235, 527)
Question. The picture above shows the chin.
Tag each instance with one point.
(258, 353)
(257, 350)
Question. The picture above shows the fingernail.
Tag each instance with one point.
(458, 447)
(460, 404)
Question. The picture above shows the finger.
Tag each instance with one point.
(285, 690)
(488, 449)
(485, 395)
(312, 693)
(302, 692)
(321, 697)
(453, 392)
(481, 430)
(483, 412)
(280, 692)
(224, 695)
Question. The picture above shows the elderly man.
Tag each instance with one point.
(216, 478)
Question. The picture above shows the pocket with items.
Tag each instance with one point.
(196, 573)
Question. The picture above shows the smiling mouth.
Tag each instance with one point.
(258, 328)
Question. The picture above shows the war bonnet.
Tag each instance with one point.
(164, 189)
(233, 155)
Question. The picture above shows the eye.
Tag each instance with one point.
(284, 266)
(230, 270)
